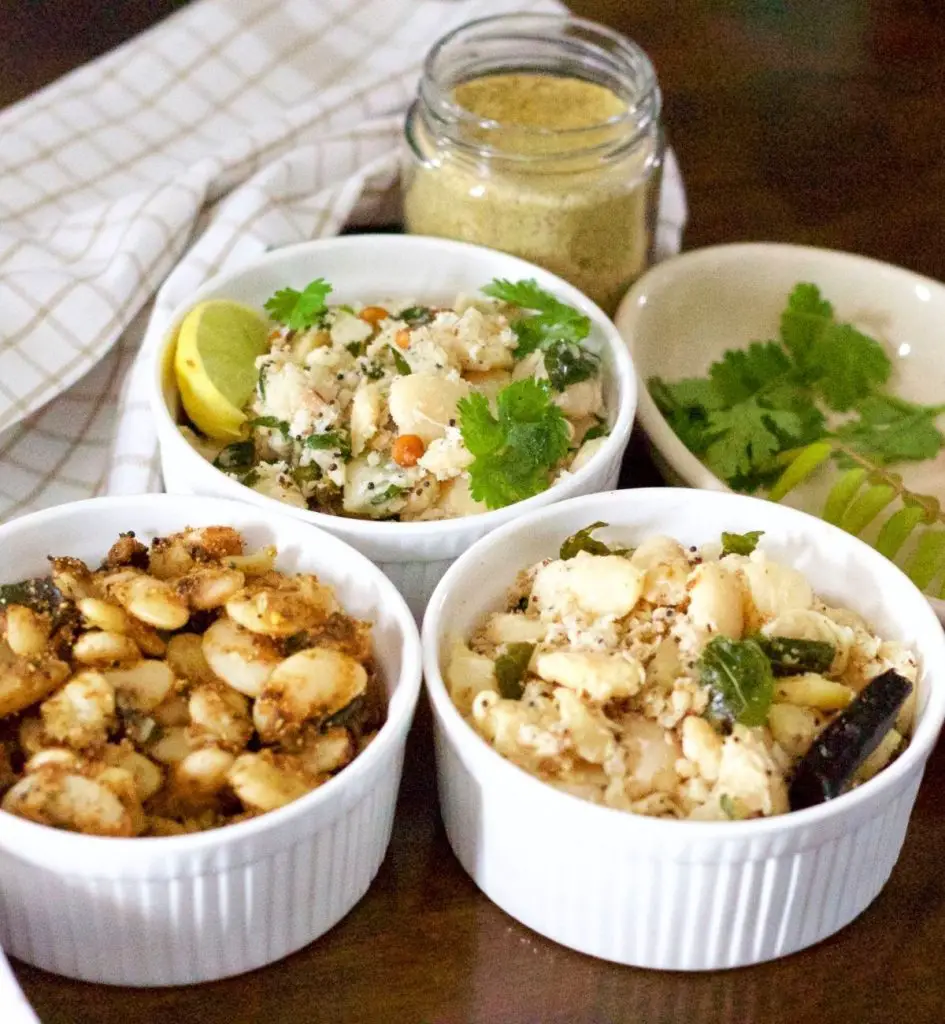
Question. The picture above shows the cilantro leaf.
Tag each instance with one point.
(891, 429)
(330, 440)
(299, 310)
(802, 323)
(568, 363)
(852, 365)
(552, 320)
(747, 436)
(270, 423)
(514, 452)
(388, 494)
(840, 362)
(741, 373)
(236, 457)
(416, 316)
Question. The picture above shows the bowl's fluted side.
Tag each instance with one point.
(208, 917)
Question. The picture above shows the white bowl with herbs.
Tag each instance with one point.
(805, 376)
(407, 394)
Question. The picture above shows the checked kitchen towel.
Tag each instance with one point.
(232, 127)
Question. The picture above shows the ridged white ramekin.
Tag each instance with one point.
(677, 895)
(365, 268)
(183, 909)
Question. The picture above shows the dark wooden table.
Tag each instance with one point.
(815, 121)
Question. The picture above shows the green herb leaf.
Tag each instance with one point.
(356, 348)
(514, 453)
(299, 309)
(269, 423)
(841, 494)
(402, 365)
(802, 325)
(553, 320)
(738, 675)
(746, 437)
(890, 429)
(600, 429)
(388, 494)
(740, 543)
(865, 507)
(897, 529)
(728, 807)
(741, 373)
(331, 439)
(40, 594)
(583, 541)
(928, 559)
(803, 466)
(790, 657)
(510, 669)
(416, 316)
(303, 475)
(236, 457)
(373, 371)
(250, 479)
(568, 363)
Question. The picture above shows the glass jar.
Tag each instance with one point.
(540, 135)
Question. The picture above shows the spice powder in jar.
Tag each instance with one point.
(539, 135)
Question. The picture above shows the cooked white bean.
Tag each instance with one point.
(208, 587)
(702, 745)
(242, 659)
(148, 777)
(424, 403)
(143, 685)
(601, 675)
(468, 674)
(220, 713)
(366, 408)
(507, 628)
(27, 631)
(813, 690)
(53, 796)
(716, 600)
(298, 603)
(256, 564)
(665, 566)
(186, 658)
(23, 681)
(100, 648)
(265, 781)
(149, 599)
(202, 773)
(774, 588)
(323, 752)
(82, 713)
(593, 584)
(309, 686)
(103, 615)
(173, 745)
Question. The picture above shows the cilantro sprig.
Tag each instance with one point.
(757, 403)
(515, 451)
(549, 321)
(299, 310)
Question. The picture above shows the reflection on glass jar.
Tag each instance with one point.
(539, 135)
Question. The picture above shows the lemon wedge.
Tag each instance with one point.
(215, 364)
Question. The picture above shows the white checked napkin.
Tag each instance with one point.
(233, 127)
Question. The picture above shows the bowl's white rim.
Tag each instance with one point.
(654, 424)
(408, 683)
(625, 378)
(470, 746)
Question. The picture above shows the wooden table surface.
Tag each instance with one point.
(813, 121)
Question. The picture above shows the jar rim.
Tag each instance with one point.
(639, 115)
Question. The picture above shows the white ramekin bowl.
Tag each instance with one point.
(364, 268)
(676, 895)
(688, 311)
(183, 909)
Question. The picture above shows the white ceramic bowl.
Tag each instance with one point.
(362, 268)
(686, 312)
(676, 895)
(182, 909)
